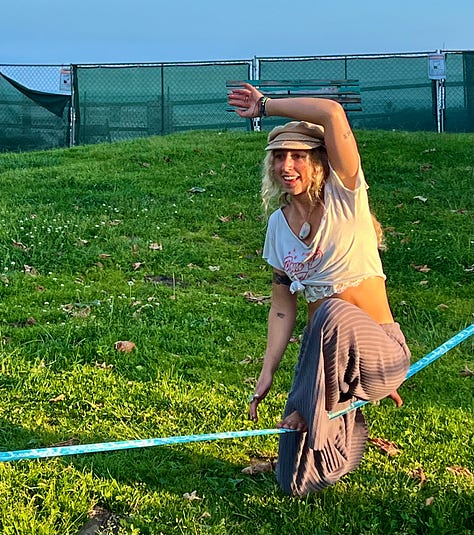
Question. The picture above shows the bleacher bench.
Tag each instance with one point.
(346, 92)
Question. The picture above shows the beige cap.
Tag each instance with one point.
(297, 135)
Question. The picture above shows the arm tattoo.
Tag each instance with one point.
(347, 134)
(281, 279)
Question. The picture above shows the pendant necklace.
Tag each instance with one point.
(305, 229)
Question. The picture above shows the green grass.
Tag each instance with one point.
(82, 221)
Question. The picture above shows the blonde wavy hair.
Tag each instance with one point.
(273, 197)
(271, 192)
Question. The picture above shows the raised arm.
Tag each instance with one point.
(281, 322)
(339, 139)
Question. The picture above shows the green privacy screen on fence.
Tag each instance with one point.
(118, 102)
(396, 90)
(126, 101)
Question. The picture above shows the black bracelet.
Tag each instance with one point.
(262, 101)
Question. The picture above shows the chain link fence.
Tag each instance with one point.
(115, 102)
(47, 106)
(34, 108)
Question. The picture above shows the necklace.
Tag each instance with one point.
(305, 229)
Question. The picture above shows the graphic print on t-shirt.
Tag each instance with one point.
(299, 267)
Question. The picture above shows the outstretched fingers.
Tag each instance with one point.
(245, 100)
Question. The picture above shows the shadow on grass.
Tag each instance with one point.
(183, 488)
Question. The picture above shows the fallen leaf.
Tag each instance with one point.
(466, 372)
(61, 397)
(442, 306)
(390, 448)
(420, 198)
(192, 496)
(295, 339)
(104, 255)
(124, 346)
(155, 247)
(81, 312)
(460, 471)
(246, 360)
(429, 150)
(114, 223)
(257, 298)
(214, 268)
(30, 270)
(101, 521)
(418, 473)
(104, 365)
(224, 218)
(429, 501)
(27, 323)
(422, 268)
(20, 245)
(137, 265)
(196, 189)
(259, 466)
(145, 164)
(426, 167)
(423, 283)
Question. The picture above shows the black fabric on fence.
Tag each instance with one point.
(53, 102)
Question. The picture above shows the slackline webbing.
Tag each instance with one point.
(61, 451)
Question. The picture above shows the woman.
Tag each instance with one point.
(322, 242)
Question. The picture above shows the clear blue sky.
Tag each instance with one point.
(107, 31)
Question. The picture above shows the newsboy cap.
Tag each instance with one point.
(297, 135)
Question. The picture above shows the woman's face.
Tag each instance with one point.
(291, 170)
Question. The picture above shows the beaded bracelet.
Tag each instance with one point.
(262, 101)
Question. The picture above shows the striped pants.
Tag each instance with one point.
(345, 355)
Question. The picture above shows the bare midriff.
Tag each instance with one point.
(370, 296)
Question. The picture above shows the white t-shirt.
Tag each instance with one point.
(343, 252)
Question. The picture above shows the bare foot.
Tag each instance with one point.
(294, 421)
(396, 398)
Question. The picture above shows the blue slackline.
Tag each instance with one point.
(61, 451)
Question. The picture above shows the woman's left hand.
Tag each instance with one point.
(245, 100)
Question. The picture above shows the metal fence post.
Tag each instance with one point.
(257, 122)
(72, 108)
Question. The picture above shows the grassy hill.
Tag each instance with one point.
(157, 242)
